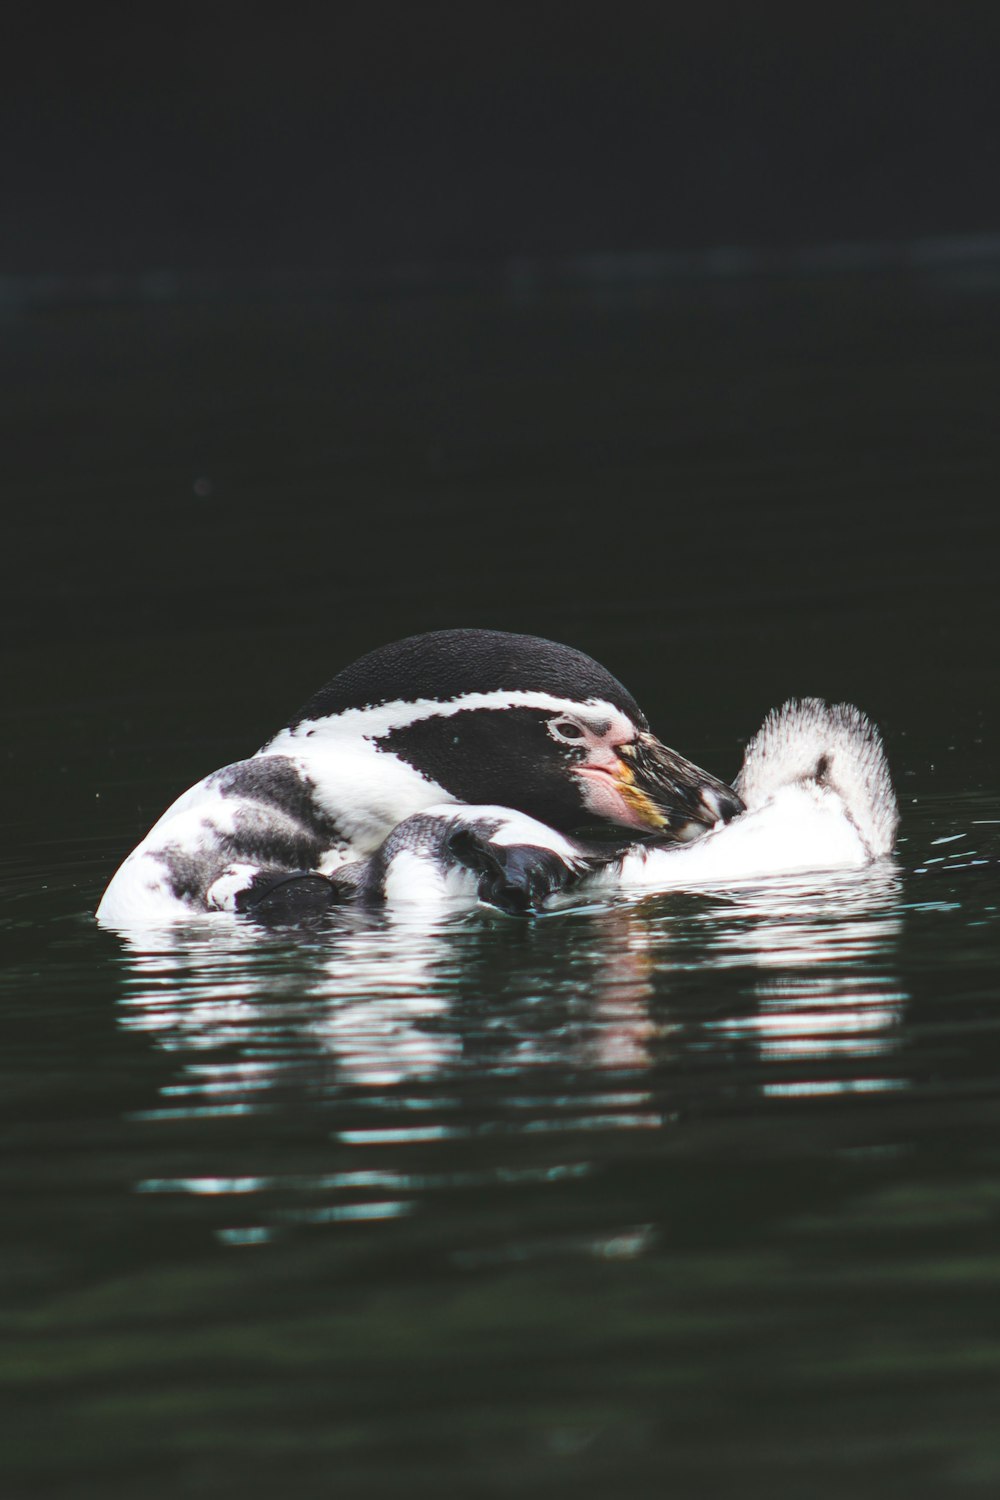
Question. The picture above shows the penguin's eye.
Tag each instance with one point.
(565, 729)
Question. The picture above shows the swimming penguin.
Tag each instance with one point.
(817, 793)
(455, 716)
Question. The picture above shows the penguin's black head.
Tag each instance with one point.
(520, 722)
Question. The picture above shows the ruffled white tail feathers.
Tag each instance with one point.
(830, 745)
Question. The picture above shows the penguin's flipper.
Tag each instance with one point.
(516, 878)
(281, 898)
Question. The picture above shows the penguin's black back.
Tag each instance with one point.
(444, 664)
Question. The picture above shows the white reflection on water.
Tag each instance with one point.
(479, 1052)
(364, 996)
(826, 992)
(381, 1003)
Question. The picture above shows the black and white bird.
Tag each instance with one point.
(529, 728)
(816, 792)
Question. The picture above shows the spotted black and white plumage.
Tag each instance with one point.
(817, 792)
(454, 717)
(491, 854)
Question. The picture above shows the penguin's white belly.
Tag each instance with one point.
(803, 827)
(415, 879)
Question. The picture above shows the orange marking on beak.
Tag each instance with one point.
(636, 799)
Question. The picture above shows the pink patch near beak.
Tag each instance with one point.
(603, 794)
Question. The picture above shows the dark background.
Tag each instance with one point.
(320, 135)
(669, 331)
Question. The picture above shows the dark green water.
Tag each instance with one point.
(693, 1196)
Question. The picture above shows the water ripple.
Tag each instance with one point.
(481, 1055)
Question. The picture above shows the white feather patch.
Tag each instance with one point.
(376, 722)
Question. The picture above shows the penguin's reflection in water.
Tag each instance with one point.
(397, 999)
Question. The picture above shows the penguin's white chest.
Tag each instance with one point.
(801, 827)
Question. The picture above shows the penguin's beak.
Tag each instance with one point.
(669, 795)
